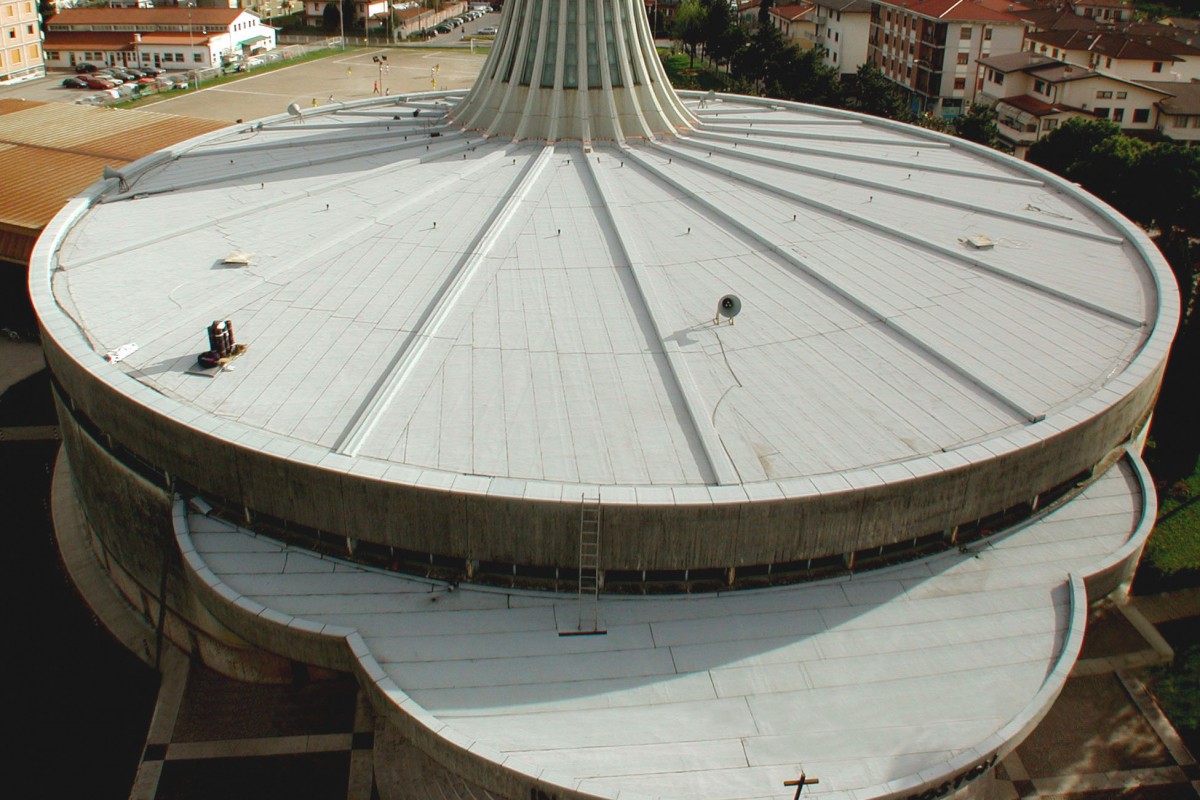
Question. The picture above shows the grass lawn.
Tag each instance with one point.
(683, 76)
(1175, 543)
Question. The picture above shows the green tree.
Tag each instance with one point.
(689, 27)
(1062, 150)
(1109, 171)
(977, 125)
(764, 13)
(1167, 189)
(331, 17)
(873, 93)
(803, 75)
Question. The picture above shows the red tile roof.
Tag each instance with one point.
(973, 10)
(1112, 44)
(146, 16)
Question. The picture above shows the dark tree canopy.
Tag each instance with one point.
(875, 94)
(977, 125)
(332, 18)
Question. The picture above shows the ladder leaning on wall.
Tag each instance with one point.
(589, 566)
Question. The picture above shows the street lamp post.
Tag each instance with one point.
(381, 62)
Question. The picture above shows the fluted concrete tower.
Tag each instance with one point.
(573, 69)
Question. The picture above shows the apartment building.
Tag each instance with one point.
(842, 30)
(932, 48)
(20, 41)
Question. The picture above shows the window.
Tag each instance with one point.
(998, 78)
(1156, 66)
(1196, 122)
(1103, 95)
(12, 33)
(1108, 63)
(1122, 95)
(1040, 87)
(1051, 124)
(1179, 122)
(1141, 115)
(960, 83)
(196, 58)
(1118, 115)
(179, 56)
(962, 58)
(1102, 113)
(987, 34)
(29, 29)
(965, 34)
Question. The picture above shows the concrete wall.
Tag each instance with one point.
(477, 526)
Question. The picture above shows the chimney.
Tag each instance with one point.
(137, 37)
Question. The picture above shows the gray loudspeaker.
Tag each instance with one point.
(728, 306)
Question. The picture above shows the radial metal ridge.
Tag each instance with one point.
(574, 70)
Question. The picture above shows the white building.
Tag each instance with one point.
(1034, 94)
(20, 41)
(1179, 114)
(171, 38)
(1135, 58)
(843, 28)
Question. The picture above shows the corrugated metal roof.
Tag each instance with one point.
(51, 151)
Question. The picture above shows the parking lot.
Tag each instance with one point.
(351, 75)
(447, 61)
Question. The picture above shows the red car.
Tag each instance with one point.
(99, 83)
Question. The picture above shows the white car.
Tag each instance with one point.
(490, 30)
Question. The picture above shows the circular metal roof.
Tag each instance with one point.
(424, 303)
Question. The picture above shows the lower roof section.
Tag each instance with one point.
(880, 685)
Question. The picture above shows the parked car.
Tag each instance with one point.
(81, 68)
(74, 83)
(118, 72)
(136, 72)
(94, 82)
(152, 71)
(445, 27)
(490, 30)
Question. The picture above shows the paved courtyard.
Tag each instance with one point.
(351, 75)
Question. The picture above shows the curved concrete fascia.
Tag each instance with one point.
(291, 637)
(1118, 569)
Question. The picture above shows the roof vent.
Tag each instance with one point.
(238, 258)
(980, 242)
